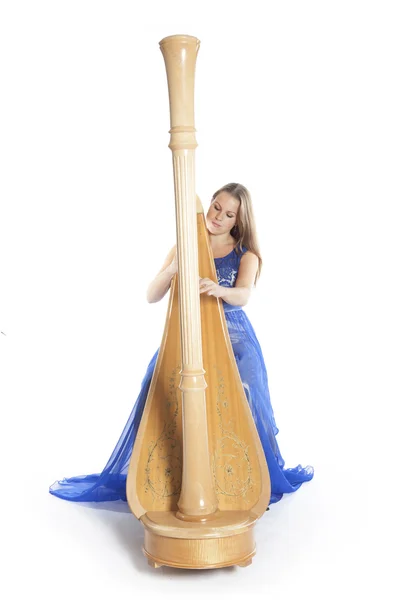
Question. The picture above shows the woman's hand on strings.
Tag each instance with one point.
(209, 287)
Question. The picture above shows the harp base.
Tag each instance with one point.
(224, 541)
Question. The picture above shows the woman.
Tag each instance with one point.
(238, 263)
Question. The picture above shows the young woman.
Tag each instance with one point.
(238, 263)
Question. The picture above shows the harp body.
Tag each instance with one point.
(197, 479)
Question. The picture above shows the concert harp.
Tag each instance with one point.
(197, 478)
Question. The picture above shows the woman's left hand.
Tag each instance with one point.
(210, 287)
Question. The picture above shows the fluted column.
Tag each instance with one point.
(198, 499)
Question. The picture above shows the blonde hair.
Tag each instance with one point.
(244, 230)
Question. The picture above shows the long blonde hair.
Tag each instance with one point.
(244, 230)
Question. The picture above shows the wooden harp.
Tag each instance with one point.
(197, 478)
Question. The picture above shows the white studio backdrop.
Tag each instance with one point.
(296, 100)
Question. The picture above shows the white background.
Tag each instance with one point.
(297, 100)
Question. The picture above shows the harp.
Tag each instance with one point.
(197, 477)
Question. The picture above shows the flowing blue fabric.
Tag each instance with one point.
(110, 484)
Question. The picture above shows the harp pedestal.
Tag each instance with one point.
(224, 540)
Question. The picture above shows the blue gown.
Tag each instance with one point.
(110, 484)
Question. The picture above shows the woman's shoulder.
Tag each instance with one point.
(244, 251)
(248, 257)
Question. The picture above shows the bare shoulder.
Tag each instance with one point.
(247, 270)
(249, 257)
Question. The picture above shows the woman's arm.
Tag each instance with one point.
(162, 281)
(240, 294)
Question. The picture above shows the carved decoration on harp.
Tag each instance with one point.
(163, 470)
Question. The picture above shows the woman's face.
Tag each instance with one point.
(222, 214)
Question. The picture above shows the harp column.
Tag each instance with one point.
(198, 499)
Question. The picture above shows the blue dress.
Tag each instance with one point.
(110, 484)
